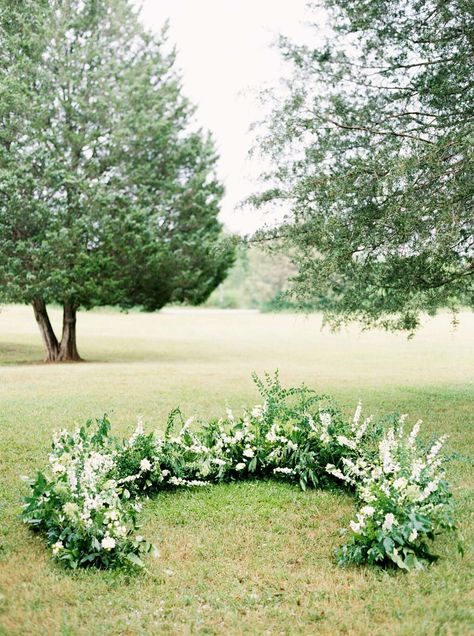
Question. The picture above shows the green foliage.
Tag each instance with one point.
(86, 501)
(372, 151)
(108, 190)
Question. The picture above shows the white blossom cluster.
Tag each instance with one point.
(404, 498)
(87, 500)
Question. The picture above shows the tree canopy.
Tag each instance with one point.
(372, 151)
(108, 189)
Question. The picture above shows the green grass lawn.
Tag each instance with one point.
(247, 558)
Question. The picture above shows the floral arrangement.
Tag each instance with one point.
(87, 500)
(405, 500)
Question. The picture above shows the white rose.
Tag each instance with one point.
(240, 466)
(248, 452)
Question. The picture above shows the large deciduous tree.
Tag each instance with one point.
(372, 151)
(108, 191)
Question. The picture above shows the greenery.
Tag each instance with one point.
(250, 556)
(109, 194)
(261, 279)
(83, 501)
(371, 150)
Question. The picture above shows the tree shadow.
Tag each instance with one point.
(14, 353)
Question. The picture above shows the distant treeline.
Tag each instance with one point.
(260, 280)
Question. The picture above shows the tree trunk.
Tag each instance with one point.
(68, 347)
(50, 342)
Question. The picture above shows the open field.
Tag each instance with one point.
(253, 558)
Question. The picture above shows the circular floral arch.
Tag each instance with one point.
(88, 497)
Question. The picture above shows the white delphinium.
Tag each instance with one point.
(344, 441)
(325, 419)
(414, 434)
(401, 424)
(386, 446)
(434, 450)
(137, 432)
(257, 412)
(362, 428)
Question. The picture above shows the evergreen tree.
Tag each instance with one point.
(108, 194)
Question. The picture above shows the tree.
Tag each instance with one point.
(373, 154)
(108, 191)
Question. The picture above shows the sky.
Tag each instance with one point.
(225, 53)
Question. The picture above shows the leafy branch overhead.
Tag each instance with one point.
(372, 153)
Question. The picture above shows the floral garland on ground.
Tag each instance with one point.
(87, 499)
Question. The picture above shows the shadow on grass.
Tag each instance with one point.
(13, 353)
(16, 354)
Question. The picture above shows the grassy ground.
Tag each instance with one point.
(252, 558)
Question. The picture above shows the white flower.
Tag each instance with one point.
(325, 419)
(108, 543)
(165, 473)
(367, 510)
(342, 439)
(389, 522)
(283, 470)
(240, 466)
(357, 415)
(57, 547)
(70, 509)
(230, 415)
(256, 411)
(413, 535)
(139, 538)
(414, 433)
(248, 452)
(292, 446)
(138, 431)
(145, 464)
(400, 483)
(356, 527)
(325, 437)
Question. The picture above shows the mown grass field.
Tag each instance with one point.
(253, 558)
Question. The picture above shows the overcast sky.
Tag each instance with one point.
(225, 54)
